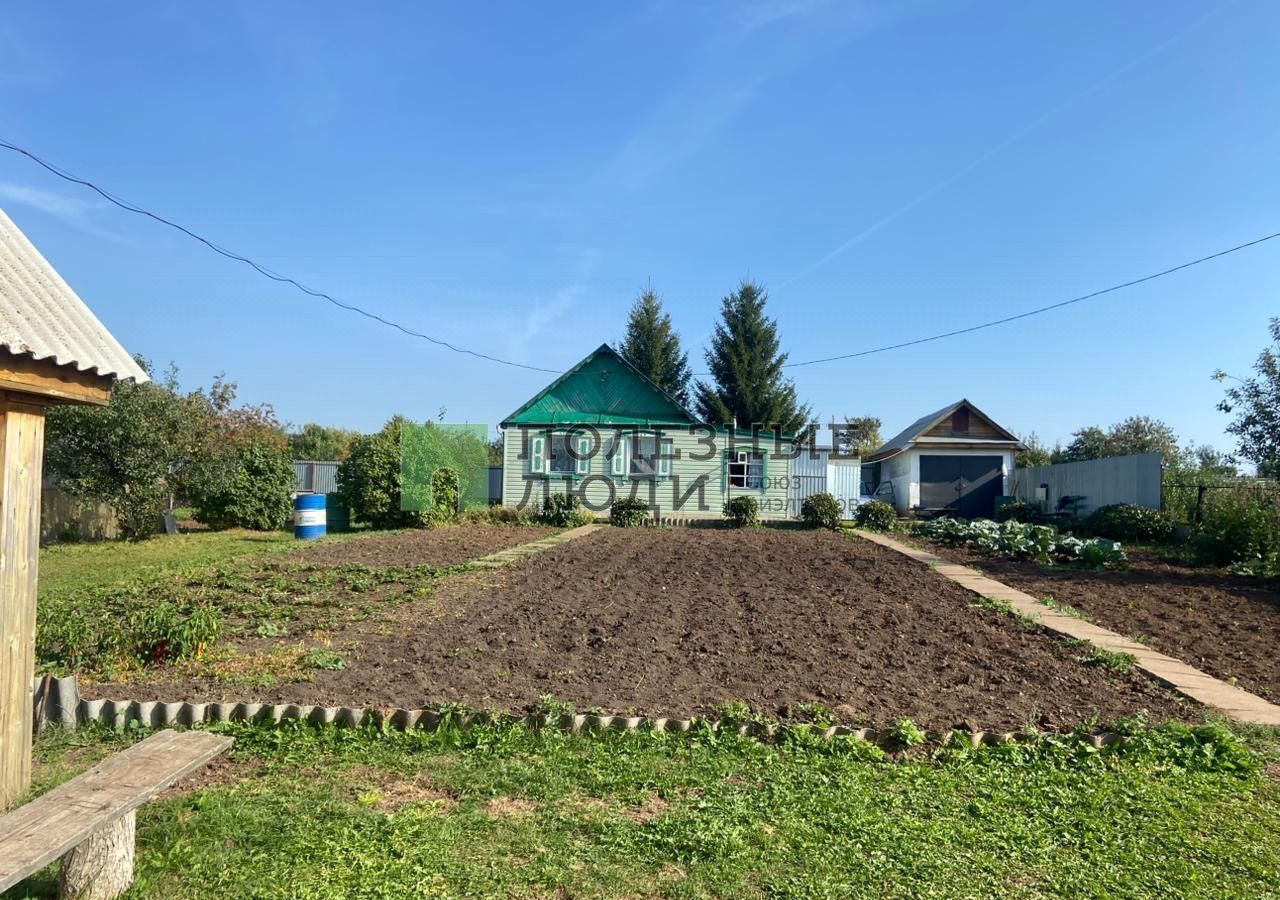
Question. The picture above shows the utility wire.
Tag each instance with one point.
(1042, 309)
(262, 270)
(274, 276)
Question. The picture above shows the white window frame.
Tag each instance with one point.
(619, 455)
(538, 453)
(747, 460)
(566, 437)
(663, 450)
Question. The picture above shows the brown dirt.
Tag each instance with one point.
(679, 621)
(222, 771)
(1226, 625)
(433, 547)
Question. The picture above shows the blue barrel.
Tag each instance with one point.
(308, 517)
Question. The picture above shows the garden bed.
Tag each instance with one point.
(1226, 625)
(680, 621)
(439, 547)
(178, 607)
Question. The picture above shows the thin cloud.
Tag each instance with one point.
(1007, 142)
(681, 124)
(68, 209)
(540, 319)
(753, 16)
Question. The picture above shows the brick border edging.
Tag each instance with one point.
(1186, 680)
(63, 706)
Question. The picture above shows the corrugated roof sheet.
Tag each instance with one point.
(41, 315)
(603, 389)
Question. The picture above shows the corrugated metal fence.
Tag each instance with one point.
(1101, 482)
(813, 472)
(314, 476)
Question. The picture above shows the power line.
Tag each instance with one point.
(274, 276)
(1042, 309)
(260, 269)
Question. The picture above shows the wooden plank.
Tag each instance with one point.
(21, 453)
(41, 831)
(55, 383)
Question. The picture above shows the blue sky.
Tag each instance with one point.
(509, 176)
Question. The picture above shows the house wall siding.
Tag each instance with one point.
(598, 487)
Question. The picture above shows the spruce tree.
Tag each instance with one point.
(653, 347)
(746, 369)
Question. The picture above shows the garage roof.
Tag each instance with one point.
(41, 316)
(914, 433)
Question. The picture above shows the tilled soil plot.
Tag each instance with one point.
(679, 621)
(433, 546)
(1225, 625)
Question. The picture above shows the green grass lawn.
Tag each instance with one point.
(176, 606)
(507, 811)
(67, 568)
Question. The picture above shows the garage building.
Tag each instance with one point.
(955, 461)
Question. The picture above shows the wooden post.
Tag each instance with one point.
(101, 867)
(21, 453)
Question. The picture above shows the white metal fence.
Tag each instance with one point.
(816, 473)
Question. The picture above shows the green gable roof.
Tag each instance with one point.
(603, 389)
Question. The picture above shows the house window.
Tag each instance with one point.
(746, 470)
(563, 462)
(650, 457)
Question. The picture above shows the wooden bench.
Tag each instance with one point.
(90, 820)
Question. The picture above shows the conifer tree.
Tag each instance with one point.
(653, 347)
(746, 369)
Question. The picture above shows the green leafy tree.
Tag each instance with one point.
(1087, 443)
(1142, 434)
(857, 436)
(745, 362)
(321, 442)
(652, 346)
(130, 454)
(244, 484)
(1036, 454)
(369, 480)
(495, 451)
(1255, 402)
(1136, 434)
(241, 476)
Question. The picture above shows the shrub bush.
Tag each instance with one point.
(876, 515)
(1239, 531)
(629, 512)
(1129, 522)
(1017, 511)
(247, 485)
(742, 512)
(369, 480)
(496, 515)
(444, 497)
(821, 511)
(565, 511)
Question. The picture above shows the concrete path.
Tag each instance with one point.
(1190, 682)
(520, 551)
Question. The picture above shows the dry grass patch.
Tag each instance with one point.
(509, 808)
